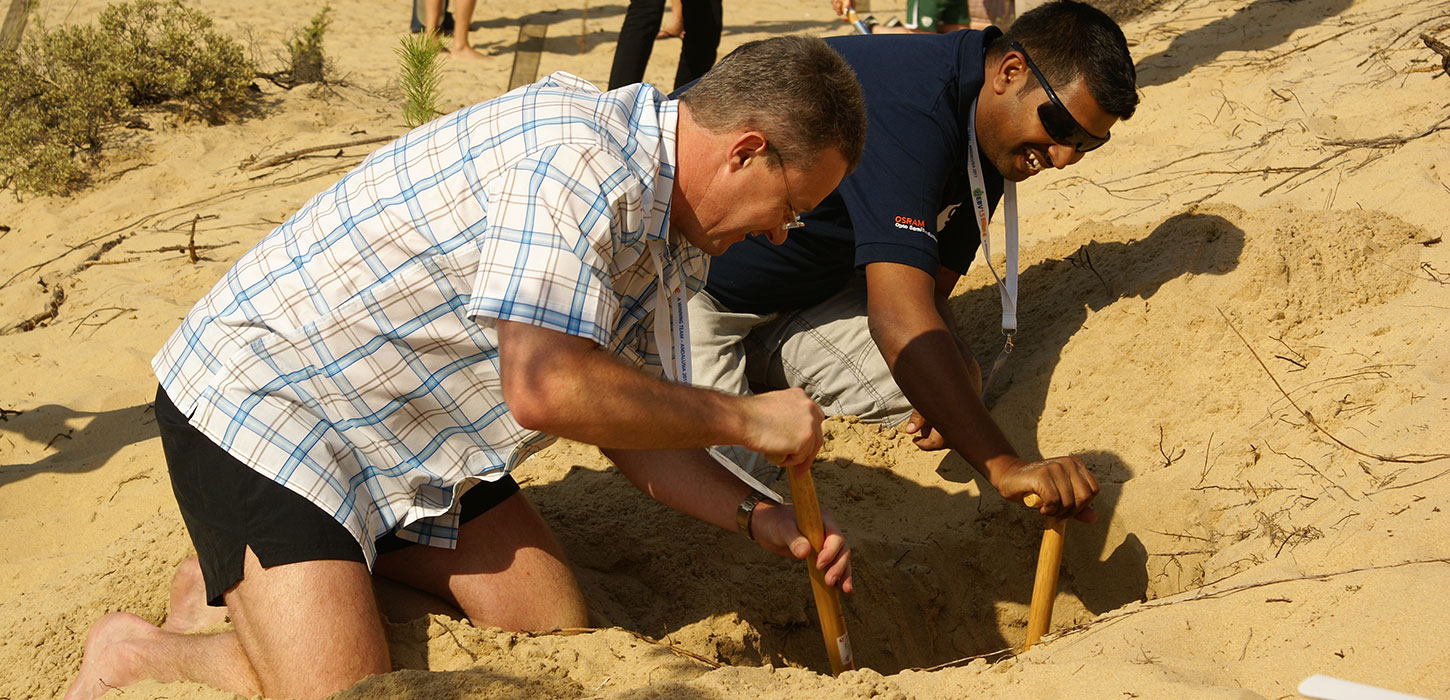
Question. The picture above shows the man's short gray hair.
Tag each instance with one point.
(796, 90)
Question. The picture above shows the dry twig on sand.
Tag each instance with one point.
(1112, 617)
(52, 308)
(142, 220)
(991, 656)
(584, 28)
(1170, 455)
(1121, 613)
(190, 247)
(571, 631)
(294, 155)
(1207, 450)
(1082, 258)
(1438, 47)
(1412, 458)
(97, 326)
(1347, 145)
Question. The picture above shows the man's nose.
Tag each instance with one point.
(1063, 156)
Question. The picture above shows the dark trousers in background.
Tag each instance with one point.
(702, 19)
(416, 24)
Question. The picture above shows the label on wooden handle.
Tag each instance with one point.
(843, 647)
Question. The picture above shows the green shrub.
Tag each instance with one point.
(64, 89)
(419, 56)
(307, 62)
(170, 52)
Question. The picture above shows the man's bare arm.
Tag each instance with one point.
(691, 482)
(915, 337)
(567, 386)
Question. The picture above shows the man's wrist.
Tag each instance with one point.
(745, 513)
(733, 418)
(998, 468)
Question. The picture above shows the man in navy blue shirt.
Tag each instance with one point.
(853, 306)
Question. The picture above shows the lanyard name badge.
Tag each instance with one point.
(672, 320)
(672, 341)
(1008, 289)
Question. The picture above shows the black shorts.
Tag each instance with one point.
(227, 507)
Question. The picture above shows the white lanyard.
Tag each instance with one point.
(672, 321)
(979, 205)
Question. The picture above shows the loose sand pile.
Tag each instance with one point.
(1237, 312)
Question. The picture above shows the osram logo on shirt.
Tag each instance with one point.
(910, 224)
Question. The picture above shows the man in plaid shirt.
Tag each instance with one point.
(343, 409)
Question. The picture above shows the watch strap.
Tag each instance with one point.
(745, 512)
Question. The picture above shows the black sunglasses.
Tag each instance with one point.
(1059, 122)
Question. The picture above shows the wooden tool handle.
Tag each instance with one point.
(828, 601)
(1044, 586)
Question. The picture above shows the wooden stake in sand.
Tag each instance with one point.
(14, 25)
(526, 56)
(828, 602)
(1044, 586)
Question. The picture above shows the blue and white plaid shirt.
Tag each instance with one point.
(352, 355)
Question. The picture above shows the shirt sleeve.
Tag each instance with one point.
(545, 253)
(960, 238)
(894, 196)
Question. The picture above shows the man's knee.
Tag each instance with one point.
(828, 351)
(509, 571)
(717, 344)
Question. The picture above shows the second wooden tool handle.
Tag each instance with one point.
(828, 601)
(1044, 586)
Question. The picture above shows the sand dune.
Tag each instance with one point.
(1237, 311)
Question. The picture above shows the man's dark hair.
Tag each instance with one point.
(796, 90)
(1068, 40)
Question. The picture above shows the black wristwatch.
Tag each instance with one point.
(745, 512)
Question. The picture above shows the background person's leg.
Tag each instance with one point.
(703, 22)
(675, 27)
(462, 17)
(986, 13)
(415, 24)
(508, 571)
(432, 15)
(636, 42)
(913, 15)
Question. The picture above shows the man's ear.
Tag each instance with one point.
(747, 145)
(1010, 71)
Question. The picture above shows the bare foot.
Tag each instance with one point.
(675, 27)
(188, 611)
(465, 53)
(112, 655)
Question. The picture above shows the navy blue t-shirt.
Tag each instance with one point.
(901, 203)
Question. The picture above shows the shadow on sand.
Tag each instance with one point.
(1257, 26)
(75, 441)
